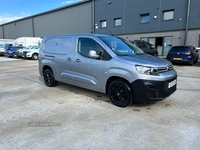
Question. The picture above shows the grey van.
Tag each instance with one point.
(106, 64)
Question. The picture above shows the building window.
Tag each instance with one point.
(118, 22)
(144, 39)
(103, 24)
(168, 15)
(144, 18)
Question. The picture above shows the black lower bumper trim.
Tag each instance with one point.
(148, 91)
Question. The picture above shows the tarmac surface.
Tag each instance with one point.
(65, 117)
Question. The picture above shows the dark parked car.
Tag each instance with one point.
(3, 48)
(183, 54)
(11, 51)
(146, 47)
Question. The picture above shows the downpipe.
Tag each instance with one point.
(187, 22)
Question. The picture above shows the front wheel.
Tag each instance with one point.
(35, 57)
(120, 93)
(49, 78)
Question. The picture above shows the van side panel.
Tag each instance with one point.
(88, 72)
(74, 68)
(59, 50)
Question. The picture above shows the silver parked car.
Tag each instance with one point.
(106, 64)
(31, 53)
(19, 52)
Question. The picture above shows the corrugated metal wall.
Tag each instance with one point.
(70, 20)
(76, 18)
(1, 32)
(18, 29)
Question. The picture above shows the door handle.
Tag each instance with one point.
(77, 60)
(69, 59)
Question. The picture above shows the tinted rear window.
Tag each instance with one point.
(180, 49)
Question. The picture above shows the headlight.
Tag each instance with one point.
(147, 70)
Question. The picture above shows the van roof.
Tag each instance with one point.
(76, 34)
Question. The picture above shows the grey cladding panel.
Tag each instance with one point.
(1, 32)
(17, 29)
(70, 20)
(131, 11)
(195, 14)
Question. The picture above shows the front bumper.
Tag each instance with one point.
(2, 53)
(149, 91)
(26, 55)
(19, 54)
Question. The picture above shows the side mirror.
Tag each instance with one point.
(93, 54)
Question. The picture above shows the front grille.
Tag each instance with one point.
(164, 69)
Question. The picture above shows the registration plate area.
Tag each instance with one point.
(172, 83)
(177, 58)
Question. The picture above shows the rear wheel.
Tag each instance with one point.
(191, 63)
(196, 60)
(35, 57)
(49, 78)
(14, 55)
(120, 93)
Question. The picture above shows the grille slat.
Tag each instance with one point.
(164, 69)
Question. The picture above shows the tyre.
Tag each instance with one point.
(120, 93)
(49, 78)
(156, 55)
(191, 63)
(35, 57)
(196, 61)
(14, 55)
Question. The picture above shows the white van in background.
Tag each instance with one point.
(26, 41)
(2, 41)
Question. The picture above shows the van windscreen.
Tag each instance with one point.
(120, 46)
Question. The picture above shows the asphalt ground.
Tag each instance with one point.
(34, 116)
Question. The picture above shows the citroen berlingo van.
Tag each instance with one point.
(106, 64)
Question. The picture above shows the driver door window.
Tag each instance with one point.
(87, 44)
